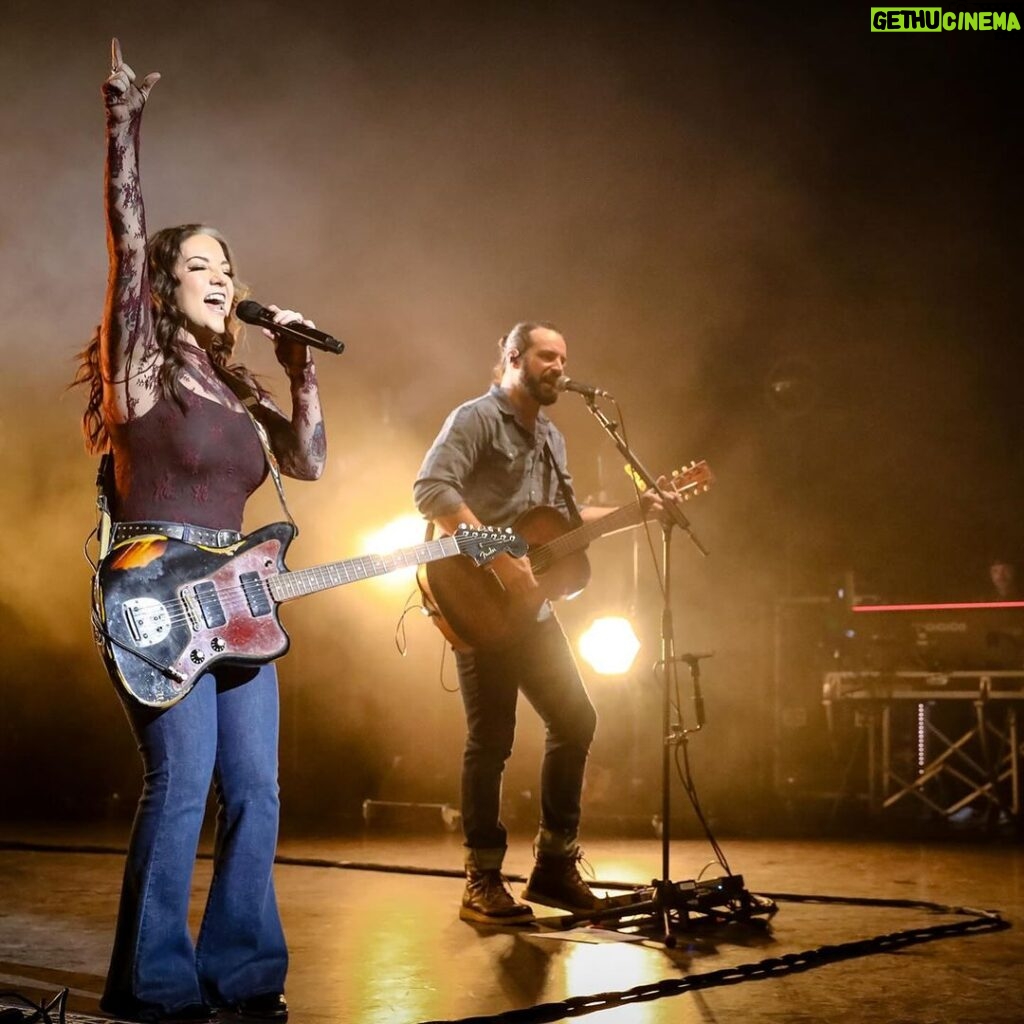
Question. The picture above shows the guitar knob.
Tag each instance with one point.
(218, 644)
(196, 656)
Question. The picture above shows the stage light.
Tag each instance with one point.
(609, 645)
(403, 532)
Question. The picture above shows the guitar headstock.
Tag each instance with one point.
(691, 480)
(688, 482)
(485, 543)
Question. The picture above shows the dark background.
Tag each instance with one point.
(788, 245)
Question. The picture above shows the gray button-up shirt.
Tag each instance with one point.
(485, 459)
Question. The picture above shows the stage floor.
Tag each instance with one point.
(386, 947)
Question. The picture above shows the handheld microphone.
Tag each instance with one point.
(253, 313)
(568, 384)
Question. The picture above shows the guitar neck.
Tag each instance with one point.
(288, 585)
(622, 518)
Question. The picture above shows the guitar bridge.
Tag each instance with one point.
(147, 620)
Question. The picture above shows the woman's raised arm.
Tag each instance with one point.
(128, 351)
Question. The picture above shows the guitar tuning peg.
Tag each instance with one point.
(463, 526)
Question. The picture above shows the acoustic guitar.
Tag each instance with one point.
(473, 610)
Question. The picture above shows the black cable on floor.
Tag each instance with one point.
(51, 1012)
(771, 967)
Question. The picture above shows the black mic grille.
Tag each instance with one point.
(252, 312)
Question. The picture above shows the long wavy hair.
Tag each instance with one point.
(163, 250)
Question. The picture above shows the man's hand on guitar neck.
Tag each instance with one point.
(652, 504)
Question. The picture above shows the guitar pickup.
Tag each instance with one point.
(256, 594)
(209, 604)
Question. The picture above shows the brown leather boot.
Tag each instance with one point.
(488, 899)
(556, 882)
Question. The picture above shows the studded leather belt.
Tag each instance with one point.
(190, 534)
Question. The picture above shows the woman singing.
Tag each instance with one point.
(164, 399)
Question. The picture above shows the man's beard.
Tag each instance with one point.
(541, 392)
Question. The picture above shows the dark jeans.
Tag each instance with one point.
(540, 664)
(226, 730)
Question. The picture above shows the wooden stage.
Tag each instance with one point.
(375, 938)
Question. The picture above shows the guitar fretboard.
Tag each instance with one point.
(621, 519)
(289, 585)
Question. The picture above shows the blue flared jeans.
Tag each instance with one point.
(541, 666)
(224, 731)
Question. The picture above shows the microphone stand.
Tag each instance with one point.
(666, 901)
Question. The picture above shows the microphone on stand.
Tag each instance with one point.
(694, 660)
(253, 313)
(568, 384)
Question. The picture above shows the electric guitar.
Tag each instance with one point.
(164, 611)
(473, 610)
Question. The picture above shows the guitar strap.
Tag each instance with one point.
(563, 486)
(104, 487)
(275, 469)
(250, 401)
(429, 604)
